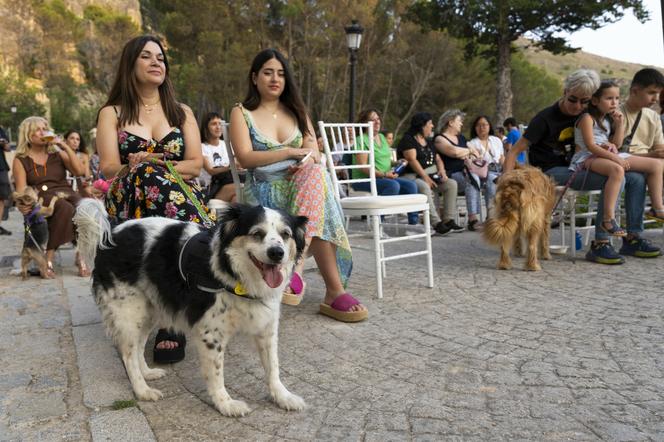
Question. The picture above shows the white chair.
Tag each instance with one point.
(372, 206)
(574, 209)
(231, 158)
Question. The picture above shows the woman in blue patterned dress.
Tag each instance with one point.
(270, 133)
(140, 127)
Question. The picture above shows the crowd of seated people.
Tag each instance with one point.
(271, 131)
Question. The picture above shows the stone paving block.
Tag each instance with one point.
(114, 426)
(102, 373)
(36, 407)
(82, 306)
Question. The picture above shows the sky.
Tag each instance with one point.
(627, 39)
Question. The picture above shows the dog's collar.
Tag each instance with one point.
(195, 270)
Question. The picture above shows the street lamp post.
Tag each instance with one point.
(13, 110)
(353, 40)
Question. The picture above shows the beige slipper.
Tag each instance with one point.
(340, 309)
(297, 287)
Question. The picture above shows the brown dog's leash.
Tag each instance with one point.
(584, 165)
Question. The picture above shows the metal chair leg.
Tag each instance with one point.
(375, 220)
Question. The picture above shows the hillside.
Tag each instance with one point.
(561, 65)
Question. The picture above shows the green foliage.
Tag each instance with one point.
(487, 23)
(14, 90)
(401, 68)
(533, 88)
(490, 27)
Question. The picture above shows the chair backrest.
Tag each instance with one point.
(231, 157)
(343, 142)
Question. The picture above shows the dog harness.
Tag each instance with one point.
(31, 219)
(195, 270)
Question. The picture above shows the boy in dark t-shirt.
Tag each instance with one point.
(550, 137)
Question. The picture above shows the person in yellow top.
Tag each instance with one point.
(644, 91)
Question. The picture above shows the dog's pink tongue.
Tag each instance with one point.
(272, 275)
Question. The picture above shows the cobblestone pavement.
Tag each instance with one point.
(574, 352)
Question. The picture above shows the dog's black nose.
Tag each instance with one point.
(275, 253)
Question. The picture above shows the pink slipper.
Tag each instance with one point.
(297, 286)
(340, 309)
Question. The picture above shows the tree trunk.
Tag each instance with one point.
(504, 69)
(503, 82)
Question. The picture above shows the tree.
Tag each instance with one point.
(490, 27)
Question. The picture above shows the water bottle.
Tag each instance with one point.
(579, 241)
(400, 167)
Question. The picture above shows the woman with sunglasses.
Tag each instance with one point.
(550, 141)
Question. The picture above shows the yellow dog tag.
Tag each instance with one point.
(239, 289)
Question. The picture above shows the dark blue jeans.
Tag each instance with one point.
(388, 186)
(635, 195)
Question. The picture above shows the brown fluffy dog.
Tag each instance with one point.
(36, 230)
(524, 200)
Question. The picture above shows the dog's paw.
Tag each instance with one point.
(546, 256)
(290, 402)
(154, 373)
(504, 265)
(149, 394)
(533, 268)
(233, 408)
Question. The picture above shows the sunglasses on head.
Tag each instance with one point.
(572, 99)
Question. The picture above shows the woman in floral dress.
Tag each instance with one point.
(270, 134)
(141, 128)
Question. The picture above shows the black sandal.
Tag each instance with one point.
(166, 355)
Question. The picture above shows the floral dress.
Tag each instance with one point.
(150, 189)
(307, 193)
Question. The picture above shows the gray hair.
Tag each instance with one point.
(583, 81)
(448, 116)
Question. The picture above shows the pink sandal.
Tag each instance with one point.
(340, 309)
(297, 287)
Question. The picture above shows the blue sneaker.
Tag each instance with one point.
(603, 253)
(639, 247)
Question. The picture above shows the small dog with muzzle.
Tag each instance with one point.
(36, 230)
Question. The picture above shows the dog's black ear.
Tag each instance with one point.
(299, 232)
(229, 217)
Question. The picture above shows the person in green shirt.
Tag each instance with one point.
(387, 181)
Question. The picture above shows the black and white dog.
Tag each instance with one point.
(158, 272)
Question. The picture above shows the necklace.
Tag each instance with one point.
(150, 107)
(45, 166)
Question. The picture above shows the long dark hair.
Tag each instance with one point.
(81, 146)
(473, 131)
(124, 92)
(290, 97)
(205, 131)
(593, 110)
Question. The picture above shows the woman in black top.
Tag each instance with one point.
(427, 169)
(451, 144)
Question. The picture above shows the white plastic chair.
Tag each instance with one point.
(372, 206)
(231, 158)
(569, 213)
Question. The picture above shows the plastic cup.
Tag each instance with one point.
(48, 136)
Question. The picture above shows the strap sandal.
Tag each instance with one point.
(168, 355)
(83, 270)
(50, 271)
(340, 309)
(657, 215)
(297, 287)
(614, 229)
